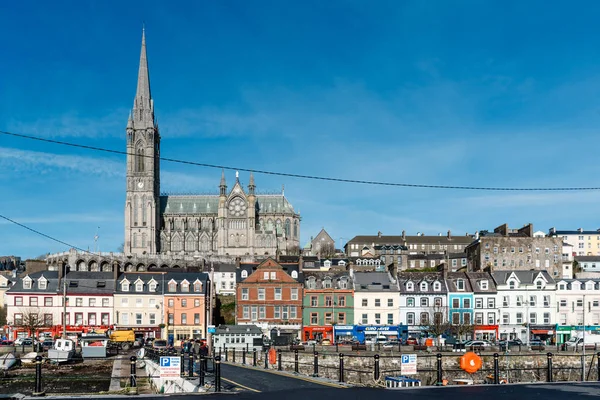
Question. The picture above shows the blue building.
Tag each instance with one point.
(377, 332)
(460, 301)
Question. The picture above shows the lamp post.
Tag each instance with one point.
(583, 343)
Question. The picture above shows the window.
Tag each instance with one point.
(532, 300)
(125, 286)
(261, 293)
(546, 318)
(293, 313)
(460, 284)
(377, 302)
(33, 301)
(245, 294)
(341, 318)
(479, 318)
(466, 303)
(410, 302)
(277, 312)
(314, 301)
(105, 302)
(185, 287)
(139, 302)
(546, 301)
(171, 303)
(424, 302)
(519, 318)
(78, 302)
(467, 318)
(506, 319)
(196, 302)
(254, 313)
(505, 301)
(183, 302)
(284, 312)
(244, 274)
(437, 286)
(410, 318)
(124, 318)
(266, 276)
(423, 286)
(294, 294)
(262, 312)
(47, 301)
(245, 312)
(491, 318)
(424, 318)
(455, 318)
(342, 301)
(273, 275)
(377, 318)
(563, 303)
(365, 302)
(183, 319)
(139, 287)
(512, 285)
(437, 302)
(152, 287)
(105, 318)
(519, 301)
(138, 318)
(328, 301)
(491, 302)
(18, 319)
(124, 302)
(364, 319)
(390, 302)
(197, 319)
(277, 293)
(92, 302)
(27, 283)
(152, 318)
(42, 284)
(533, 318)
(579, 302)
(484, 285)
(455, 303)
(172, 287)
(314, 319)
(49, 321)
(410, 286)
(479, 303)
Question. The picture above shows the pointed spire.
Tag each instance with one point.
(143, 85)
(130, 121)
(223, 185)
(251, 185)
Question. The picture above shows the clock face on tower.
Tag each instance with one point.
(237, 207)
(140, 184)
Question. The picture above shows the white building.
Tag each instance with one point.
(527, 304)
(578, 302)
(238, 337)
(423, 297)
(376, 299)
(223, 276)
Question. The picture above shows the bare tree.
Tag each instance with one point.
(438, 322)
(463, 330)
(32, 320)
(325, 249)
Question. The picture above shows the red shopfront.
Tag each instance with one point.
(486, 332)
(318, 333)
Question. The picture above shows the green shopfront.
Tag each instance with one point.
(565, 332)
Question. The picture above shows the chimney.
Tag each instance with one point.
(527, 230)
(502, 230)
(403, 235)
(300, 263)
(238, 262)
(580, 230)
(379, 234)
(445, 270)
(449, 234)
(61, 270)
(115, 268)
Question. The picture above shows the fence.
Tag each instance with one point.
(433, 369)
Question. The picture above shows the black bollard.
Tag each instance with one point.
(549, 367)
(244, 356)
(191, 365)
(201, 371)
(296, 361)
(598, 366)
(376, 367)
(38, 378)
(279, 360)
(316, 364)
(132, 378)
(226, 353)
(440, 371)
(182, 363)
(341, 369)
(254, 357)
(233, 356)
(496, 369)
(267, 359)
(217, 374)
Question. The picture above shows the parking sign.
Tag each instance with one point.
(408, 364)
(170, 367)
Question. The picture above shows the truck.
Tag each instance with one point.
(123, 339)
(590, 341)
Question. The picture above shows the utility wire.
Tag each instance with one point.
(313, 177)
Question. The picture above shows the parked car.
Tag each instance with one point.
(477, 344)
(392, 344)
(411, 341)
(325, 342)
(7, 343)
(23, 340)
(160, 344)
(47, 344)
(507, 345)
(537, 345)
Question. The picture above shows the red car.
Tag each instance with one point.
(411, 341)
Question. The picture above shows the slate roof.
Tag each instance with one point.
(191, 277)
(417, 278)
(224, 267)
(500, 277)
(51, 287)
(229, 329)
(574, 232)
(251, 267)
(146, 277)
(89, 282)
(209, 204)
(476, 277)
(587, 258)
(451, 279)
(583, 281)
(320, 276)
(391, 240)
(373, 282)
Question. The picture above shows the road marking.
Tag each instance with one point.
(240, 385)
(303, 378)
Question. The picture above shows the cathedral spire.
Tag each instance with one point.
(223, 185)
(143, 107)
(251, 185)
(143, 85)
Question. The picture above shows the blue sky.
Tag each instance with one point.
(494, 93)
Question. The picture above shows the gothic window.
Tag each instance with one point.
(135, 209)
(139, 160)
(135, 243)
(269, 225)
(190, 243)
(94, 266)
(144, 210)
(295, 229)
(204, 244)
(143, 240)
(287, 228)
(278, 226)
(177, 244)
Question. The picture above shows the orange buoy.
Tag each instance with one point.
(428, 342)
(272, 356)
(470, 362)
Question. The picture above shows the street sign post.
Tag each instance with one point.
(170, 367)
(409, 364)
(212, 329)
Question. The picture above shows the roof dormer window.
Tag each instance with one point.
(423, 286)
(483, 284)
(410, 286)
(27, 281)
(539, 285)
(172, 287)
(152, 286)
(244, 274)
(198, 286)
(327, 283)
(125, 286)
(185, 286)
(437, 286)
(512, 285)
(42, 283)
(139, 287)
(294, 274)
(460, 284)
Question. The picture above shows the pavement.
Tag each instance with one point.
(255, 379)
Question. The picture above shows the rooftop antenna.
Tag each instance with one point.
(96, 240)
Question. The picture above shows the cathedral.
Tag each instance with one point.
(236, 222)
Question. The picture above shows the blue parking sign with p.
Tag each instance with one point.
(165, 361)
(405, 359)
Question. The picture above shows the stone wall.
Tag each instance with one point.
(359, 366)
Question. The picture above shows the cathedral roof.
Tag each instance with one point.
(209, 204)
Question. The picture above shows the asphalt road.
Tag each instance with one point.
(257, 380)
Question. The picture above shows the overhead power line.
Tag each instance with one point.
(313, 177)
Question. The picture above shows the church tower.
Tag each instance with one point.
(142, 204)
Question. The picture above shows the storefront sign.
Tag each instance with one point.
(381, 328)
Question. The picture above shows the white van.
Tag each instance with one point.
(577, 342)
